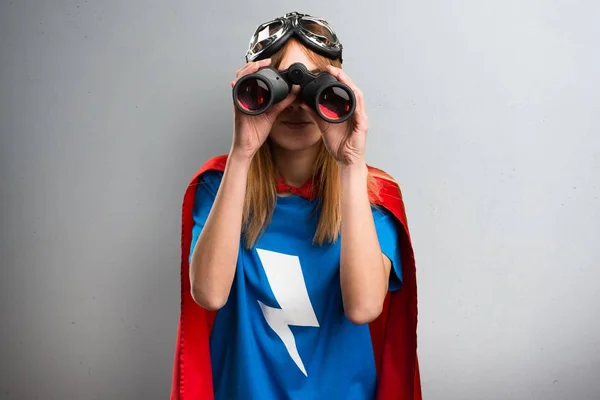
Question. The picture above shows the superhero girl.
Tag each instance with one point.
(298, 275)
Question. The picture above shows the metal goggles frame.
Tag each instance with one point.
(291, 24)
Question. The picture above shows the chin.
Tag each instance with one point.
(295, 139)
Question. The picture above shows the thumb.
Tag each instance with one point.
(283, 104)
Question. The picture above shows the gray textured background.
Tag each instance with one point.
(486, 111)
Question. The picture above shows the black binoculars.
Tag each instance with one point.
(333, 100)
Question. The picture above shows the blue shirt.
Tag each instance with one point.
(283, 333)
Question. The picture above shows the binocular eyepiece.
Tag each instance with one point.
(333, 100)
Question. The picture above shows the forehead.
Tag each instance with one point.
(293, 54)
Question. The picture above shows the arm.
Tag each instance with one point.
(364, 269)
(214, 257)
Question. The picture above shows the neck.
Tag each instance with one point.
(296, 167)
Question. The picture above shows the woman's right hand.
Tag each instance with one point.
(251, 131)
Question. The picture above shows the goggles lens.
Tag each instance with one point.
(319, 30)
(264, 35)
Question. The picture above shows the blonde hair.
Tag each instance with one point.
(261, 193)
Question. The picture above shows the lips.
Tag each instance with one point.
(296, 124)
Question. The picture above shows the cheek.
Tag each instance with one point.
(313, 136)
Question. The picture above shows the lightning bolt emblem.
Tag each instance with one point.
(285, 277)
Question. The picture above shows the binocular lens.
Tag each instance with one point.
(334, 103)
(253, 95)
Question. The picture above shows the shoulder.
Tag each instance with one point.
(216, 163)
(384, 191)
(381, 175)
(380, 182)
(211, 169)
(208, 177)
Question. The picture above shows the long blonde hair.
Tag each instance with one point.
(261, 194)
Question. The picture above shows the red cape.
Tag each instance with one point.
(394, 332)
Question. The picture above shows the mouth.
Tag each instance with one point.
(296, 124)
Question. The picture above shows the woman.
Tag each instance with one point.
(297, 271)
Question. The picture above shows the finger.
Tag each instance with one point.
(248, 69)
(264, 63)
(361, 121)
(360, 118)
(244, 67)
(360, 100)
(252, 67)
(340, 75)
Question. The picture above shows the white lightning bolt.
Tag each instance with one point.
(284, 274)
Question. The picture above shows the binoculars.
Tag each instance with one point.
(333, 100)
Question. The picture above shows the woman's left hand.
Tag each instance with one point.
(346, 141)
